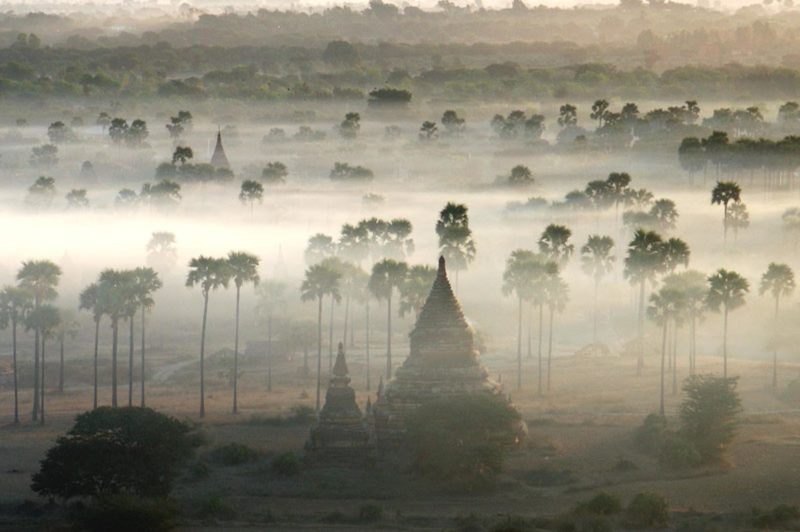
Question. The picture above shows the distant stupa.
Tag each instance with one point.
(219, 159)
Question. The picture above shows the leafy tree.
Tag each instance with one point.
(556, 295)
(111, 451)
(350, 126)
(387, 275)
(210, 274)
(76, 198)
(126, 198)
(345, 172)
(520, 176)
(118, 130)
(599, 108)
(727, 290)
(319, 248)
(723, 194)
(453, 124)
(182, 154)
(40, 279)
(567, 115)
(44, 319)
(388, 96)
(691, 155)
(738, 217)
(164, 194)
(320, 280)
(42, 192)
(428, 131)
(665, 214)
(455, 237)
(340, 53)
(251, 192)
(15, 304)
(693, 286)
(179, 124)
(137, 133)
(708, 414)
(275, 172)
(597, 259)
(67, 328)
(778, 280)
(161, 250)
(44, 155)
(554, 244)
(60, 133)
(243, 268)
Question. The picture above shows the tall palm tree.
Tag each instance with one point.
(694, 287)
(675, 252)
(663, 307)
(210, 274)
(665, 214)
(778, 280)
(644, 261)
(724, 193)
(618, 183)
(243, 268)
(522, 267)
(597, 261)
(554, 244)
(15, 304)
(333, 263)
(455, 237)
(115, 295)
(727, 290)
(40, 278)
(320, 280)
(91, 300)
(415, 289)
(387, 275)
(271, 298)
(362, 294)
(146, 281)
(131, 307)
(349, 273)
(556, 295)
(67, 328)
(45, 319)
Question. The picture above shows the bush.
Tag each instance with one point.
(650, 435)
(647, 510)
(369, 513)
(113, 450)
(233, 454)
(777, 518)
(678, 453)
(215, 508)
(285, 465)
(601, 504)
(709, 414)
(198, 471)
(125, 513)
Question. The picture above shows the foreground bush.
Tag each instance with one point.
(125, 513)
(601, 504)
(117, 450)
(709, 414)
(778, 518)
(232, 454)
(285, 465)
(647, 510)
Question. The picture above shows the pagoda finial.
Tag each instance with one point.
(442, 269)
(340, 371)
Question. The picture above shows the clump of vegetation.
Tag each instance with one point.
(345, 172)
(462, 440)
(198, 471)
(232, 454)
(285, 465)
(601, 504)
(647, 510)
(125, 513)
(299, 415)
(274, 173)
(214, 508)
(778, 518)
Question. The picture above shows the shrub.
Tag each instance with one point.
(345, 172)
(647, 510)
(601, 504)
(369, 513)
(232, 454)
(709, 414)
(215, 508)
(125, 513)
(678, 453)
(650, 435)
(777, 518)
(114, 450)
(285, 465)
(198, 471)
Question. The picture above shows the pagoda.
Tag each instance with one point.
(341, 437)
(443, 362)
(219, 159)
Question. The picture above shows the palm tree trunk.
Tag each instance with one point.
(61, 365)
(674, 358)
(550, 348)
(530, 328)
(114, 337)
(236, 352)
(319, 351)
(725, 224)
(203, 356)
(594, 325)
(389, 337)
(269, 352)
(14, 363)
(539, 376)
(141, 348)
(663, 361)
(725, 344)
(330, 336)
(366, 317)
(693, 347)
(775, 346)
(130, 361)
(94, 362)
(346, 318)
(41, 405)
(519, 345)
(640, 331)
(35, 413)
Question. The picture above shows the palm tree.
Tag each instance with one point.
(618, 183)
(270, 298)
(362, 294)
(778, 280)
(242, 268)
(349, 273)
(664, 305)
(333, 263)
(15, 304)
(665, 214)
(320, 280)
(455, 237)
(40, 278)
(675, 252)
(725, 192)
(209, 273)
(693, 285)
(556, 295)
(44, 319)
(387, 275)
(131, 306)
(522, 267)
(146, 281)
(727, 289)
(91, 300)
(415, 289)
(644, 261)
(67, 327)
(597, 261)
(115, 300)
(554, 244)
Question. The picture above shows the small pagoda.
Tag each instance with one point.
(341, 437)
(442, 362)
(219, 159)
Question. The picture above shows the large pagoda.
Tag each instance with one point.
(219, 159)
(442, 362)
